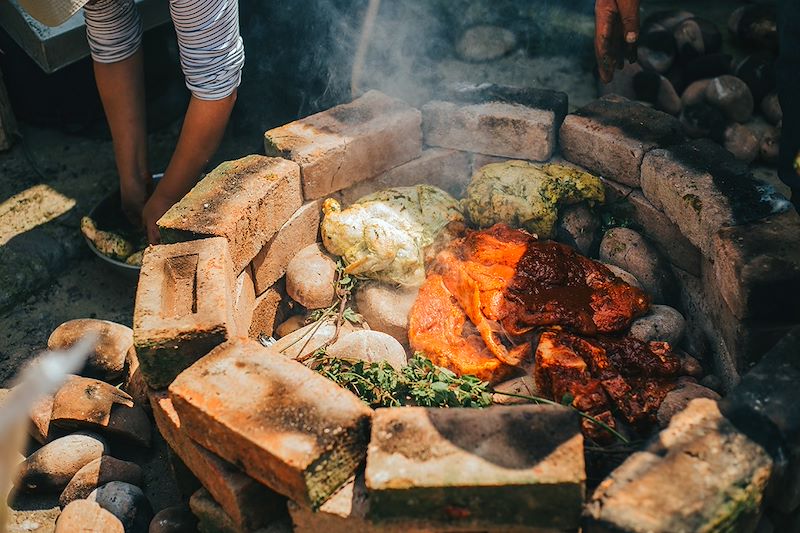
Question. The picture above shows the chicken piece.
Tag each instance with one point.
(527, 195)
(106, 242)
(441, 330)
(386, 235)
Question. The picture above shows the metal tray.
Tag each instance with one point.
(108, 216)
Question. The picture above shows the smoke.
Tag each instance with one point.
(300, 54)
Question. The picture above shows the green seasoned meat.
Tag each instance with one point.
(106, 242)
(386, 235)
(526, 195)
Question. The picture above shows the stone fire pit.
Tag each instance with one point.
(258, 429)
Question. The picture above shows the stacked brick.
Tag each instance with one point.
(720, 229)
(263, 433)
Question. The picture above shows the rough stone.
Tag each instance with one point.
(245, 201)
(495, 120)
(52, 466)
(757, 267)
(269, 311)
(177, 519)
(732, 96)
(290, 325)
(372, 346)
(677, 399)
(87, 517)
(39, 427)
(107, 360)
(348, 143)
(741, 142)
(287, 426)
(184, 306)
(699, 474)
(125, 501)
(310, 338)
(628, 250)
(661, 323)
(244, 300)
(386, 308)
(300, 231)
(247, 503)
(485, 42)
(579, 227)
(522, 385)
(85, 403)
(134, 383)
(99, 472)
(702, 188)
(624, 275)
(515, 465)
(310, 277)
(764, 407)
(695, 93)
(610, 137)
(771, 107)
(450, 170)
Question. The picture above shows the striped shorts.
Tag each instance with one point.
(211, 49)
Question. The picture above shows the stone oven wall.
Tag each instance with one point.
(218, 276)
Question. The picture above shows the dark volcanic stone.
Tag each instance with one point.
(756, 26)
(758, 72)
(657, 50)
(696, 37)
(703, 120)
(708, 66)
(764, 407)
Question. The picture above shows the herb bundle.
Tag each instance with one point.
(420, 383)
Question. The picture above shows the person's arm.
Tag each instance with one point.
(201, 134)
(114, 32)
(616, 34)
(212, 57)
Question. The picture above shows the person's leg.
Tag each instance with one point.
(114, 31)
(788, 77)
(212, 56)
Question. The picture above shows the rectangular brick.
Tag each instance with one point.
(746, 340)
(475, 469)
(699, 474)
(348, 143)
(610, 137)
(211, 518)
(447, 169)
(298, 232)
(285, 425)
(248, 503)
(246, 201)
(269, 311)
(702, 188)
(496, 120)
(757, 267)
(244, 300)
(184, 306)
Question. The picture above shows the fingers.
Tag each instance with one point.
(629, 15)
(153, 236)
(606, 17)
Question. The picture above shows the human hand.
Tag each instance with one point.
(154, 209)
(134, 193)
(615, 36)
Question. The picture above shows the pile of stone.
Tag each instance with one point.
(684, 70)
(74, 431)
(264, 433)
